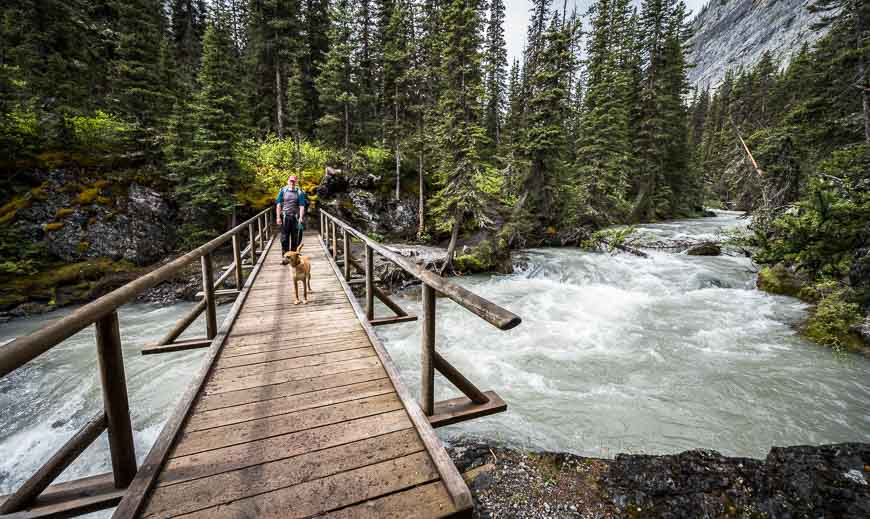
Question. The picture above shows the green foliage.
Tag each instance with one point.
(823, 230)
(100, 132)
(832, 319)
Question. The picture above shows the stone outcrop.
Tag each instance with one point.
(83, 220)
(729, 34)
(791, 482)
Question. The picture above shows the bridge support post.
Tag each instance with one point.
(427, 367)
(345, 237)
(237, 259)
(334, 244)
(208, 294)
(253, 252)
(115, 403)
(370, 284)
(260, 234)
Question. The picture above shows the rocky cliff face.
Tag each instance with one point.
(729, 34)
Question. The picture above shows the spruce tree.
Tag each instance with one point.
(315, 37)
(207, 190)
(398, 54)
(365, 59)
(544, 144)
(137, 85)
(460, 136)
(335, 83)
(495, 70)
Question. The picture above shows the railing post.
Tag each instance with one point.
(115, 403)
(345, 236)
(370, 284)
(334, 245)
(208, 292)
(322, 224)
(253, 251)
(237, 260)
(427, 367)
(260, 233)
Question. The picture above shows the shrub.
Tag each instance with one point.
(831, 322)
(100, 132)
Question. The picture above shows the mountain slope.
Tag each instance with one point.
(729, 34)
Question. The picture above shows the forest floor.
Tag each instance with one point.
(801, 481)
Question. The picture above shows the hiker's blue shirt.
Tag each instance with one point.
(289, 203)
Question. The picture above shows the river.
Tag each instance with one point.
(616, 353)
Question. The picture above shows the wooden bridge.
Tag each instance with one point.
(296, 411)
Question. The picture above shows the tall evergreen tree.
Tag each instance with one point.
(335, 83)
(365, 59)
(214, 172)
(315, 35)
(460, 135)
(187, 21)
(398, 54)
(138, 88)
(544, 143)
(854, 14)
(495, 71)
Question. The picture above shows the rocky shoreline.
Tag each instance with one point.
(831, 481)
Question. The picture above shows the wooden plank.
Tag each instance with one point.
(280, 447)
(266, 340)
(455, 410)
(224, 488)
(187, 344)
(257, 394)
(76, 497)
(288, 404)
(430, 501)
(246, 432)
(333, 492)
(266, 336)
(235, 372)
(278, 377)
(291, 352)
(145, 478)
(452, 479)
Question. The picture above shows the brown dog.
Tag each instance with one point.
(301, 272)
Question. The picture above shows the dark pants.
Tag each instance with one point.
(290, 235)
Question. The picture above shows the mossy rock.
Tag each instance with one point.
(88, 196)
(50, 227)
(485, 257)
(833, 321)
(63, 212)
(778, 279)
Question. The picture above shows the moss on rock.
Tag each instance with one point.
(486, 256)
(833, 320)
(778, 279)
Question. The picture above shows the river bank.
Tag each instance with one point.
(802, 481)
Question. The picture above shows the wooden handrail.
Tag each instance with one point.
(490, 312)
(24, 349)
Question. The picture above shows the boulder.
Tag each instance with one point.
(376, 214)
(704, 249)
(779, 279)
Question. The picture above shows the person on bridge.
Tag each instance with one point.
(289, 213)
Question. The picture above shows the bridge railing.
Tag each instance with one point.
(443, 413)
(103, 313)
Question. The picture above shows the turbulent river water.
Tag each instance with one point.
(616, 353)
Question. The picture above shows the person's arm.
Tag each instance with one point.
(302, 197)
(278, 202)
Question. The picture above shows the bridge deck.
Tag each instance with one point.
(299, 417)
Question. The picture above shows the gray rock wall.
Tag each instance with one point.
(729, 34)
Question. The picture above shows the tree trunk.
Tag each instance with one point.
(396, 137)
(421, 205)
(862, 71)
(451, 247)
(346, 138)
(279, 105)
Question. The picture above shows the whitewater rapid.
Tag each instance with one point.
(615, 354)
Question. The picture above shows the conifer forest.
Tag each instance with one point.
(215, 102)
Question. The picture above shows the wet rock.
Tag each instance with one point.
(31, 308)
(376, 214)
(863, 329)
(780, 279)
(332, 183)
(704, 249)
(78, 221)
